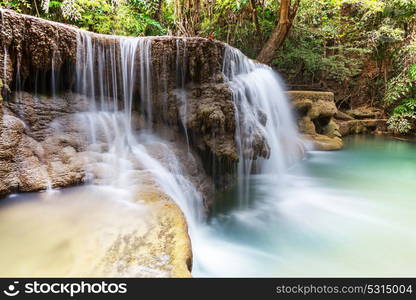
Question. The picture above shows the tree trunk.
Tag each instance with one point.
(158, 11)
(256, 19)
(279, 33)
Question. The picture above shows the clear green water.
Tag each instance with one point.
(343, 213)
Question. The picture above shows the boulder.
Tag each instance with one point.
(169, 236)
(362, 126)
(324, 143)
(306, 125)
(316, 113)
(365, 112)
(302, 105)
(343, 116)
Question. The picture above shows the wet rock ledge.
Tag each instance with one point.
(321, 122)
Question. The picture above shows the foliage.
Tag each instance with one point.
(124, 17)
(232, 21)
(407, 106)
(339, 35)
(17, 5)
(402, 124)
(314, 52)
(401, 89)
(363, 50)
(412, 72)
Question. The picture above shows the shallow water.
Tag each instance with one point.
(343, 213)
(74, 232)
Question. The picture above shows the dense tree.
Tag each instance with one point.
(287, 13)
(362, 50)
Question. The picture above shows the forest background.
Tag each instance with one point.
(362, 50)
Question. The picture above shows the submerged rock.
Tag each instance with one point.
(323, 142)
(94, 231)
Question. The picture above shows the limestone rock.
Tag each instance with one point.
(171, 232)
(362, 126)
(343, 116)
(20, 167)
(306, 125)
(316, 112)
(366, 113)
(302, 105)
(332, 130)
(40, 46)
(39, 112)
(324, 143)
(322, 109)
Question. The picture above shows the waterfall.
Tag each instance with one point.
(123, 149)
(115, 78)
(181, 67)
(261, 110)
(128, 49)
(332, 215)
(146, 79)
(118, 78)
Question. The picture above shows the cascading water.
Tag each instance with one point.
(109, 74)
(334, 216)
(262, 111)
(289, 222)
(284, 222)
(114, 78)
(146, 79)
(115, 75)
(181, 67)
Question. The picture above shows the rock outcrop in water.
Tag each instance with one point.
(362, 120)
(316, 113)
(321, 122)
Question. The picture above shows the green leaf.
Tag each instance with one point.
(412, 72)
